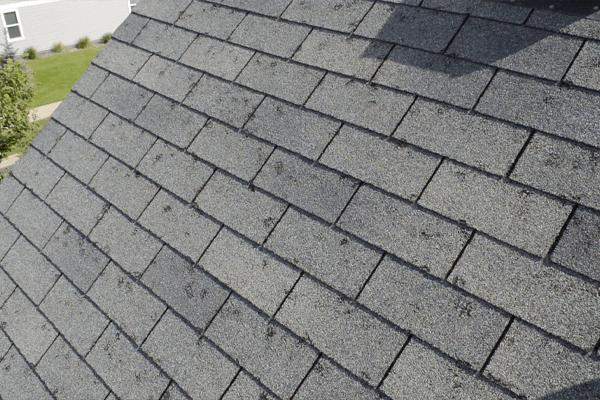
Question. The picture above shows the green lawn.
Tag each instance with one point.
(20, 147)
(56, 74)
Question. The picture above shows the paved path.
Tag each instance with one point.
(8, 161)
(43, 111)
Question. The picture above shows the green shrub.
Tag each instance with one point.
(58, 47)
(106, 38)
(31, 53)
(84, 43)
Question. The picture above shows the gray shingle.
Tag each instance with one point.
(79, 114)
(176, 171)
(563, 23)
(179, 225)
(185, 288)
(170, 121)
(347, 55)
(78, 205)
(312, 188)
(11, 188)
(30, 270)
(328, 382)
(368, 106)
(566, 112)
(478, 141)
(78, 320)
(481, 8)
(248, 270)
(122, 97)
(37, 172)
(130, 28)
(216, 57)
(6, 287)
(517, 48)
(418, 237)
(350, 335)
(534, 365)
(91, 79)
(18, 379)
(5, 343)
(561, 168)
(559, 303)
(33, 218)
(122, 59)
(289, 81)
(585, 71)
(78, 157)
(410, 26)
(227, 102)
(167, 78)
(518, 216)
(331, 256)
(579, 246)
(128, 373)
(278, 359)
(273, 8)
(195, 365)
(164, 10)
(9, 236)
(401, 170)
(164, 39)
(210, 19)
(113, 231)
(460, 326)
(250, 212)
(244, 388)
(126, 303)
(235, 152)
(123, 139)
(172, 393)
(67, 376)
(45, 140)
(124, 187)
(75, 257)
(440, 77)
(420, 373)
(270, 36)
(338, 15)
(26, 327)
(300, 130)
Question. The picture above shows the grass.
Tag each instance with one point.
(20, 147)
(55, 75)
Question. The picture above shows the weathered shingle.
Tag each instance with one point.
(338, 15)
(9, 236)
(585, 71)
(5, 343)
(79, 114)
(36, 172)
(91, 79)
(167, 78)
(210, 19)
(564, 23)
(272, 8)
(164, 10)
(121, 97)
(11, 189)
(130, 28)
(7, 287)
(481, 8)
(78, 157)
(122, 59)
(244, 388)
(164, 39)
(19, 382)
(50, 134)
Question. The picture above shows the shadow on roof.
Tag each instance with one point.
(586, 391)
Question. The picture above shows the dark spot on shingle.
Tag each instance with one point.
(268, 222)
(270, 331)
(344, 241)
(188, 290)
(278, 167)
(167, 208)
(158, 157)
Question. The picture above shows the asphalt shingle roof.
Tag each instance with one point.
(290, 200)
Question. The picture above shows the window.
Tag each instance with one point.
(12, 25)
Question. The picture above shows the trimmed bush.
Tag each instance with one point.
(31, 53)
(106, 38)
(84, 43)
(58, 47)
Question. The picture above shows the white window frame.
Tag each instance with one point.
(19, 24)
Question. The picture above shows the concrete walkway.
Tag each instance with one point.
(8, 161)
(43, 111)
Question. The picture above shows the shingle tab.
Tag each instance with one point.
(418, 237)
(37, 172)
(482, 8)
(312, 188)
(279, 78)
(164, 39)
(78, 157)
(172, 393)
(91, 79)
(585, 70)
(122, 97)
(440, 77)
(278, 359)
(250, 212)
(26, 327)
(459, 325)
(164, 10)
(67, 376)
(475, 140)
(338, 15)
(18, 379)
(195, 365)
(235, 152)
(179, 225)
(79, 114)
(251, 272)
(244, 388)
(30, 270)
(210, 19)
(566, 112)
(121, 58)
(7, 287)
(175, 171)
(9, 236)
(420, 373)
(270, 36)
(227, 102)
(78, 320)
(11, 189)
(124, 187)
(77, 204)
(410, 26)
(329, 255)
(5, 343)
(273, 8)
(534, 365)
(128, 373)
(75, 257)
(370, 107)
(562, 304)
(167, 78)
(341, 330)
(51, 133)
(115, 229)
(564, 23)
(185, 288)
(293, 128)
(130, 28)
(33, 218)
(171, 121)
(347, 55)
